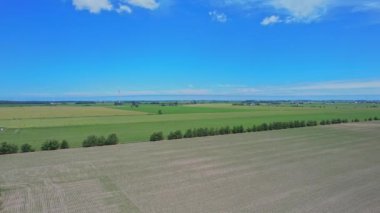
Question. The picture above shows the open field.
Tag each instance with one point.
(183, 109)
(320, 169)
(34, 125)
(29, 112)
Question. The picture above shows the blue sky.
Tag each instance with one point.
(85, 49)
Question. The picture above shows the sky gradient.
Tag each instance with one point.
(264, 49)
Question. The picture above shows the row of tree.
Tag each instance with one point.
(7, 148)
(54, 145)
(202, 132)
(370, 119)
(93, 140)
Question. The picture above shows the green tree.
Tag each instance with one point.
(90, 141)
(157, 136)
(100, 141)
(64, 145)
(112, 139)
(6, 148)
(188, 134)
(50, 145)
(175, 135)
(27, 148)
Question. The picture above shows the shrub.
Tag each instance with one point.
(237, 129)
(376, 118)
(112, 139)
(336, 121)
(50, 145)
(188, 134)
(100, 141)
(263, 127)
(64, 145)
(175, 135)
(212, 132)
(225, 130)
(178, 134)
(27, 148)
(90, 141)
(200, 132)
(157, 136)
(311, 123)
(6, 148)
(159, 112)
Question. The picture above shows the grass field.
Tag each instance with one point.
(319, 169)
(34, 125)
(42, 112)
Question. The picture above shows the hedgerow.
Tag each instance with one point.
(93, 140)
(6, 148)
(203, 132)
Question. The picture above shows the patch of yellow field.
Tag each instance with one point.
(60, 111)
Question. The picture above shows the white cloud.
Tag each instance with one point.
(341, 85)
(366, 6)
(300, 11)
(147, 4)
(321, 88)
(124, 9)
(217, 16)
(94, 6)
(271, 20)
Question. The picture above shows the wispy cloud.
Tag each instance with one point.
(271, 20)
(147, 4)
(97, 6)
(310, 90)
(124, 9)
(94, 6)
(366, 6)
(323, 88)
(218, 16)
(297, 11)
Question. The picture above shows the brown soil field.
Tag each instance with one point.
(321, 169)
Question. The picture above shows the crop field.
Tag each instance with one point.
(42, 112)
(319, 169)
(36, 124)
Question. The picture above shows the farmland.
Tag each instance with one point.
(318, 169)
(36, 124)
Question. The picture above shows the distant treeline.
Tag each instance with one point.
(44, 102)
(203, 132)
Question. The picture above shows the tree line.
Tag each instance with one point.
(203, 132)
(7, 148)
(112, 139)
(93, 140)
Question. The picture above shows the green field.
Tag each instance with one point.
(36, 124)
(319, 169)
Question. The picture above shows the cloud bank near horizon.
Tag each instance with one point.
(320, 89)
